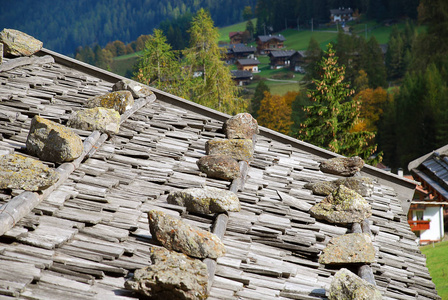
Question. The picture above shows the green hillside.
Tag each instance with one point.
(437, 262)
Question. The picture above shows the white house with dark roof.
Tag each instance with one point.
(428, 214)
(341, 15)
(89, 233)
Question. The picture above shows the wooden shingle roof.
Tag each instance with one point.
(90, 234)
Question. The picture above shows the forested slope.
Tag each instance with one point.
(65, 25)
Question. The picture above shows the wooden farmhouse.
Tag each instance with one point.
(239, 51)
(268, 43)
(298, 61)
(248, 64)
(341, 15)
(236, 37)
(241, 77)
(87, 235)
(280, 58)
(428, 214)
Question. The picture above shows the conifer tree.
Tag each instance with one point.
(214, 88)
(331, 119)
(158, 65)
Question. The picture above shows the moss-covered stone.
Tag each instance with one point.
(353, 248)
(361, 185)
(120, 101)
(344, 166)
(53, 142)
(174, 234)
(342, 206)
(98, 118)
(20, 172)
(239, 149)
(206, 200)
(17, 43)
(348, 286)
(241, 126)
(219, 167)
(171, 275)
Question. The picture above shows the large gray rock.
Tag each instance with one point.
(98, 118)
(206, 200)
(342, 206)
(239, 149)
(120, 101)
(174, 234)
(241, 126)
(17, 43)
(53, 142)
(172, 275)
(347, 285)
(348, 249)
(20, 172)
(219, 166)
(138, 90)
(344, 166)
(361, 185)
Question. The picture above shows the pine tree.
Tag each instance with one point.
(313, 56)
(330, 120)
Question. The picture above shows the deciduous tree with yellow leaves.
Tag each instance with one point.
(275, 111)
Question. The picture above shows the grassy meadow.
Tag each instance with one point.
(437, 262)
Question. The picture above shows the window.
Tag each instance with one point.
(418, 215)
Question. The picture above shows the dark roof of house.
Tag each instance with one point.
(282, 53)
(234, 33)
(266, 38)
(341, 11)
(85, 238)
(241, 74)
(241, 48)
(248, 61)
(432, 169)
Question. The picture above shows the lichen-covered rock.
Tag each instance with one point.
(172, 275)
(174, 234)
(348, 286)
(98, 118)
(344, 166)
(120, 101)
(361, 185)
(206, 200)
(17, 43)
(348, 249)
(239, 149)
(219, 167)
(138, 90)
(25, 173)
(342, 206)
(241, 126)
(53, 142)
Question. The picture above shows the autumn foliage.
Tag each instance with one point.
(275, 111)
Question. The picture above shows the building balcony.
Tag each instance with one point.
(418, 225)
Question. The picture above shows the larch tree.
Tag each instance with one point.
(330, 120)
(275, 111)
(212, 85)
(158, 65)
